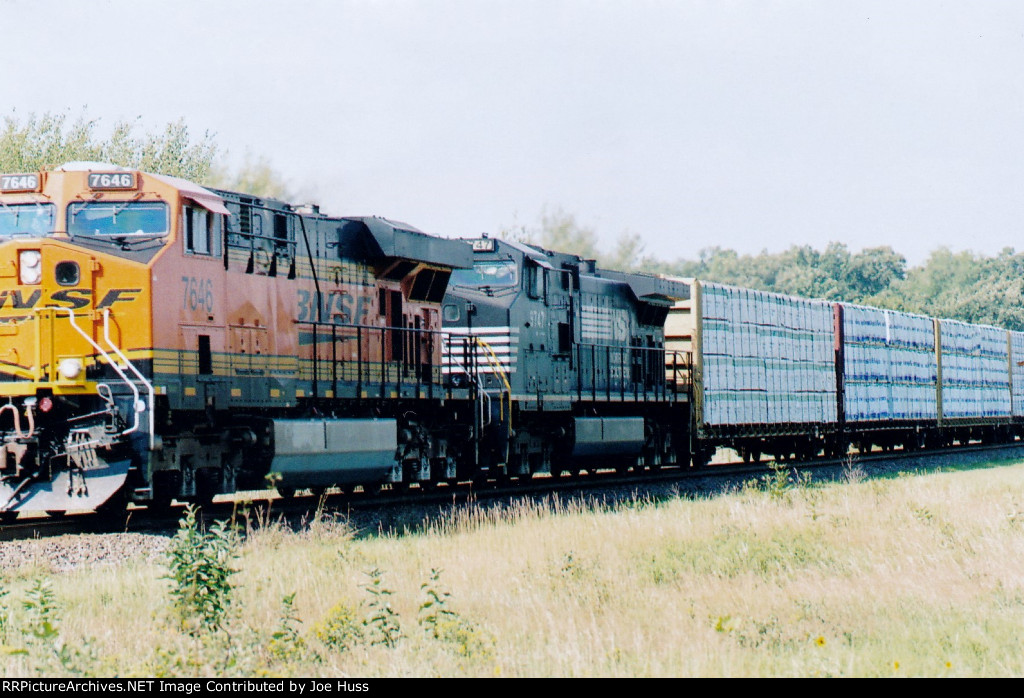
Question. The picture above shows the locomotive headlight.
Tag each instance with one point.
(70, 368)
(30, 268)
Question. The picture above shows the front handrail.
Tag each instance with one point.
(485, 403)
(499, 370)
(113, 364)
(138, 374)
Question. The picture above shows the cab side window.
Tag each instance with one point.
(202, 231)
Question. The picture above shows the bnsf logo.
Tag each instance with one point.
(73, 298)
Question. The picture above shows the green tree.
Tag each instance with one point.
(872, 271)
(963, 285)
(42, 141)
(49, 140)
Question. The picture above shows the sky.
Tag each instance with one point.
(749, 125)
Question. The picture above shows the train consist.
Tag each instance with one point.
(160, 341)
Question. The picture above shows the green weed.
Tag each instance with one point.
(442, 623)
(382, 624)
(286, 644)
(199, 567)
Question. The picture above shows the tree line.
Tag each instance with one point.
(32, 142)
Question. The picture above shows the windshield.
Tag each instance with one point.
(27, 219)
(117, 218)
(494, 274)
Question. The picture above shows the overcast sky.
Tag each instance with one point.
(749, 124)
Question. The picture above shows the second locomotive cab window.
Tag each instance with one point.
(202, 231)
(34, 220)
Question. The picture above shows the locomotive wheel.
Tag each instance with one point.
(166, 484)
(207, 485)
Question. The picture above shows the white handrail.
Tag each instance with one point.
(142, 379)
(113, 364)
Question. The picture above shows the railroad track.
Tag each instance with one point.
(370, 507)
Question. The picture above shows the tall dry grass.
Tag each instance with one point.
(921, 575)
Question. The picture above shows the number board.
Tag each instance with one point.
(19, 182)
(112, 180)
(485, 245)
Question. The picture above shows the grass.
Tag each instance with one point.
(919, 575)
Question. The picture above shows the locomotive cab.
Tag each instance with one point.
(77, 250)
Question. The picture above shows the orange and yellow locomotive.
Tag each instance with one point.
(160, 340)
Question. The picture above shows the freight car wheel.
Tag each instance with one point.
(915, 442)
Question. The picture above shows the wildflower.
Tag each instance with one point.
(895, 666)
(820, 641)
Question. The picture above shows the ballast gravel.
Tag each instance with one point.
(64, 553)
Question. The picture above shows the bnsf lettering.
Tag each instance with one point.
(18, 300)
(73, 298)
(337, 308)
(114, 295)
